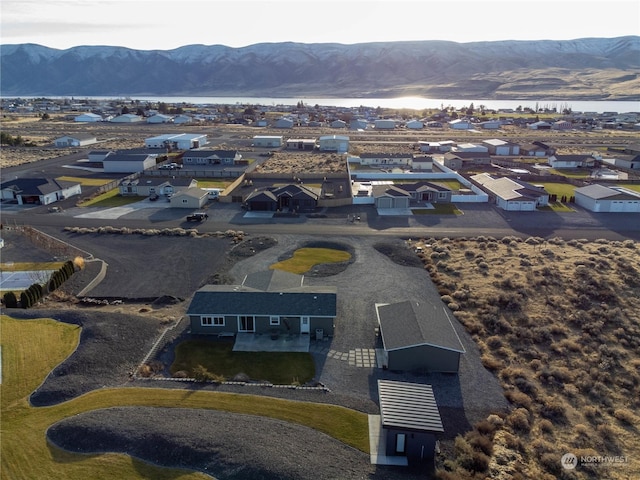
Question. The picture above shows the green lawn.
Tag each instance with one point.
(305, 258)
(28, 266)
(32, 348)
(630, 186)
(578, 173)
(112, 198)
(438, 209)
(556, 207)
(212, 183)
(279, 368)
(88, 182)
(559, 189)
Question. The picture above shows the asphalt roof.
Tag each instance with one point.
(412, 323)
(600, 192)
(36, 186)
(239, 300)
(410, 406)
(273, 280)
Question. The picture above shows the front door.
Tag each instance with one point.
(304, 325)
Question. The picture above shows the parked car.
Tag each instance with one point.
(197, 217)
(153, 197)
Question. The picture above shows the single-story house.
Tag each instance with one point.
(385, 159)
(334, 143)
(418, 336)
(390, 196)
(129, 163)
(491, 124)
(384, 124)
(459, 124)
(160, 118)
(269, 302)
(284, 123)
(436, 147)
(458, 160)
(409, 420)
(571, 161)
(338, 124)
(88, 117)
(601, 198)
(631, 162)
(144, 186)
(533, 150)
(512, 195)
(192, 197)
(431, 192)
(539, 126)
(177, 141)
(182, 119)
(562, 125)
(292, 197)
(211, 157)
(501, 147)
(414, 124)
(358, 124)
(422, 163)
(76, 140)
(301, 144)
(38, 191)
(127, 118)
(268, 141)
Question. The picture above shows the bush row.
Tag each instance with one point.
(170, 232)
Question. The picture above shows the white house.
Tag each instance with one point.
(562, 125)
(631, 162)
(599, 198)
(182, 119)
(128, 163)
(143, 186)
(99, 155)
(501, 147)
(38, 191)
(571, 161)
(88, 117)
(192, 197)
(436, 147)
(177, 141)
(160, 118)
(127, 118)
(284, 123)
(334, 143)
(384, 124)
(76, 140)
(459, 124)
(267, 141)
(385, 159)
(512, 195)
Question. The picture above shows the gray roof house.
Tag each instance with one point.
(512, 194)
(418, 336)
(211, 157)
(38, 191)
(268, 311)
(408, 425)
(601, 198)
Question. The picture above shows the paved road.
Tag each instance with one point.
(478, 219)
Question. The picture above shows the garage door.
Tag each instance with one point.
(617, 206)
(385, 202)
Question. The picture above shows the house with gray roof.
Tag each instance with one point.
(601, 198)
(512, 194)
(418, 336)
(75, 140)
(271, 304)
(211, 157)
(38, 191)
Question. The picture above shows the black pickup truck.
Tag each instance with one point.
(197, 217)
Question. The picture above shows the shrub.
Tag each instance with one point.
(519, 420)
(10, 300)
(625, 416)
(25, 300)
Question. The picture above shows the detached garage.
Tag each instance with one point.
(418, 336)
(599, 198)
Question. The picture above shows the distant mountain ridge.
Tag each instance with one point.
(588, 68)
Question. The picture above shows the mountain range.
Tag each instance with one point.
(581, 69)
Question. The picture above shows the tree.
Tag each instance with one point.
(10, 300)
(124, 110)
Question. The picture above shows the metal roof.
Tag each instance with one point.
(410, 406)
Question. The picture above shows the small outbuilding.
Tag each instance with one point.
(128, 163)
(267, 141)
(418, 336)
(409, 420)
(76, 140)
(334, 143)
(192, 197)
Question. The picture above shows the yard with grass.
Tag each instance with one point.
(32, 348)
(86, 182)
(30, 266)
(110, 199)
(212, 183)
(304, 259)
(222, 363)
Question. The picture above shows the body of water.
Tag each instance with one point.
(415, 103)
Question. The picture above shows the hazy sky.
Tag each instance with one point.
(161, 24)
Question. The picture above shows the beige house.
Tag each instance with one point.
(192, 197)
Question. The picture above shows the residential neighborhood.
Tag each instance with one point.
(186, 218)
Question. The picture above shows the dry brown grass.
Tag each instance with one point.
(559, 323)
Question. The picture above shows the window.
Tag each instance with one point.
(401, 439)
(442, 195)
(274, 321)
(212, 321)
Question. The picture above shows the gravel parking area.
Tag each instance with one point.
(113, 345)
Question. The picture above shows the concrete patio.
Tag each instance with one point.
(284, 342)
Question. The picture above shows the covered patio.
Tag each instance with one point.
(264, 342)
